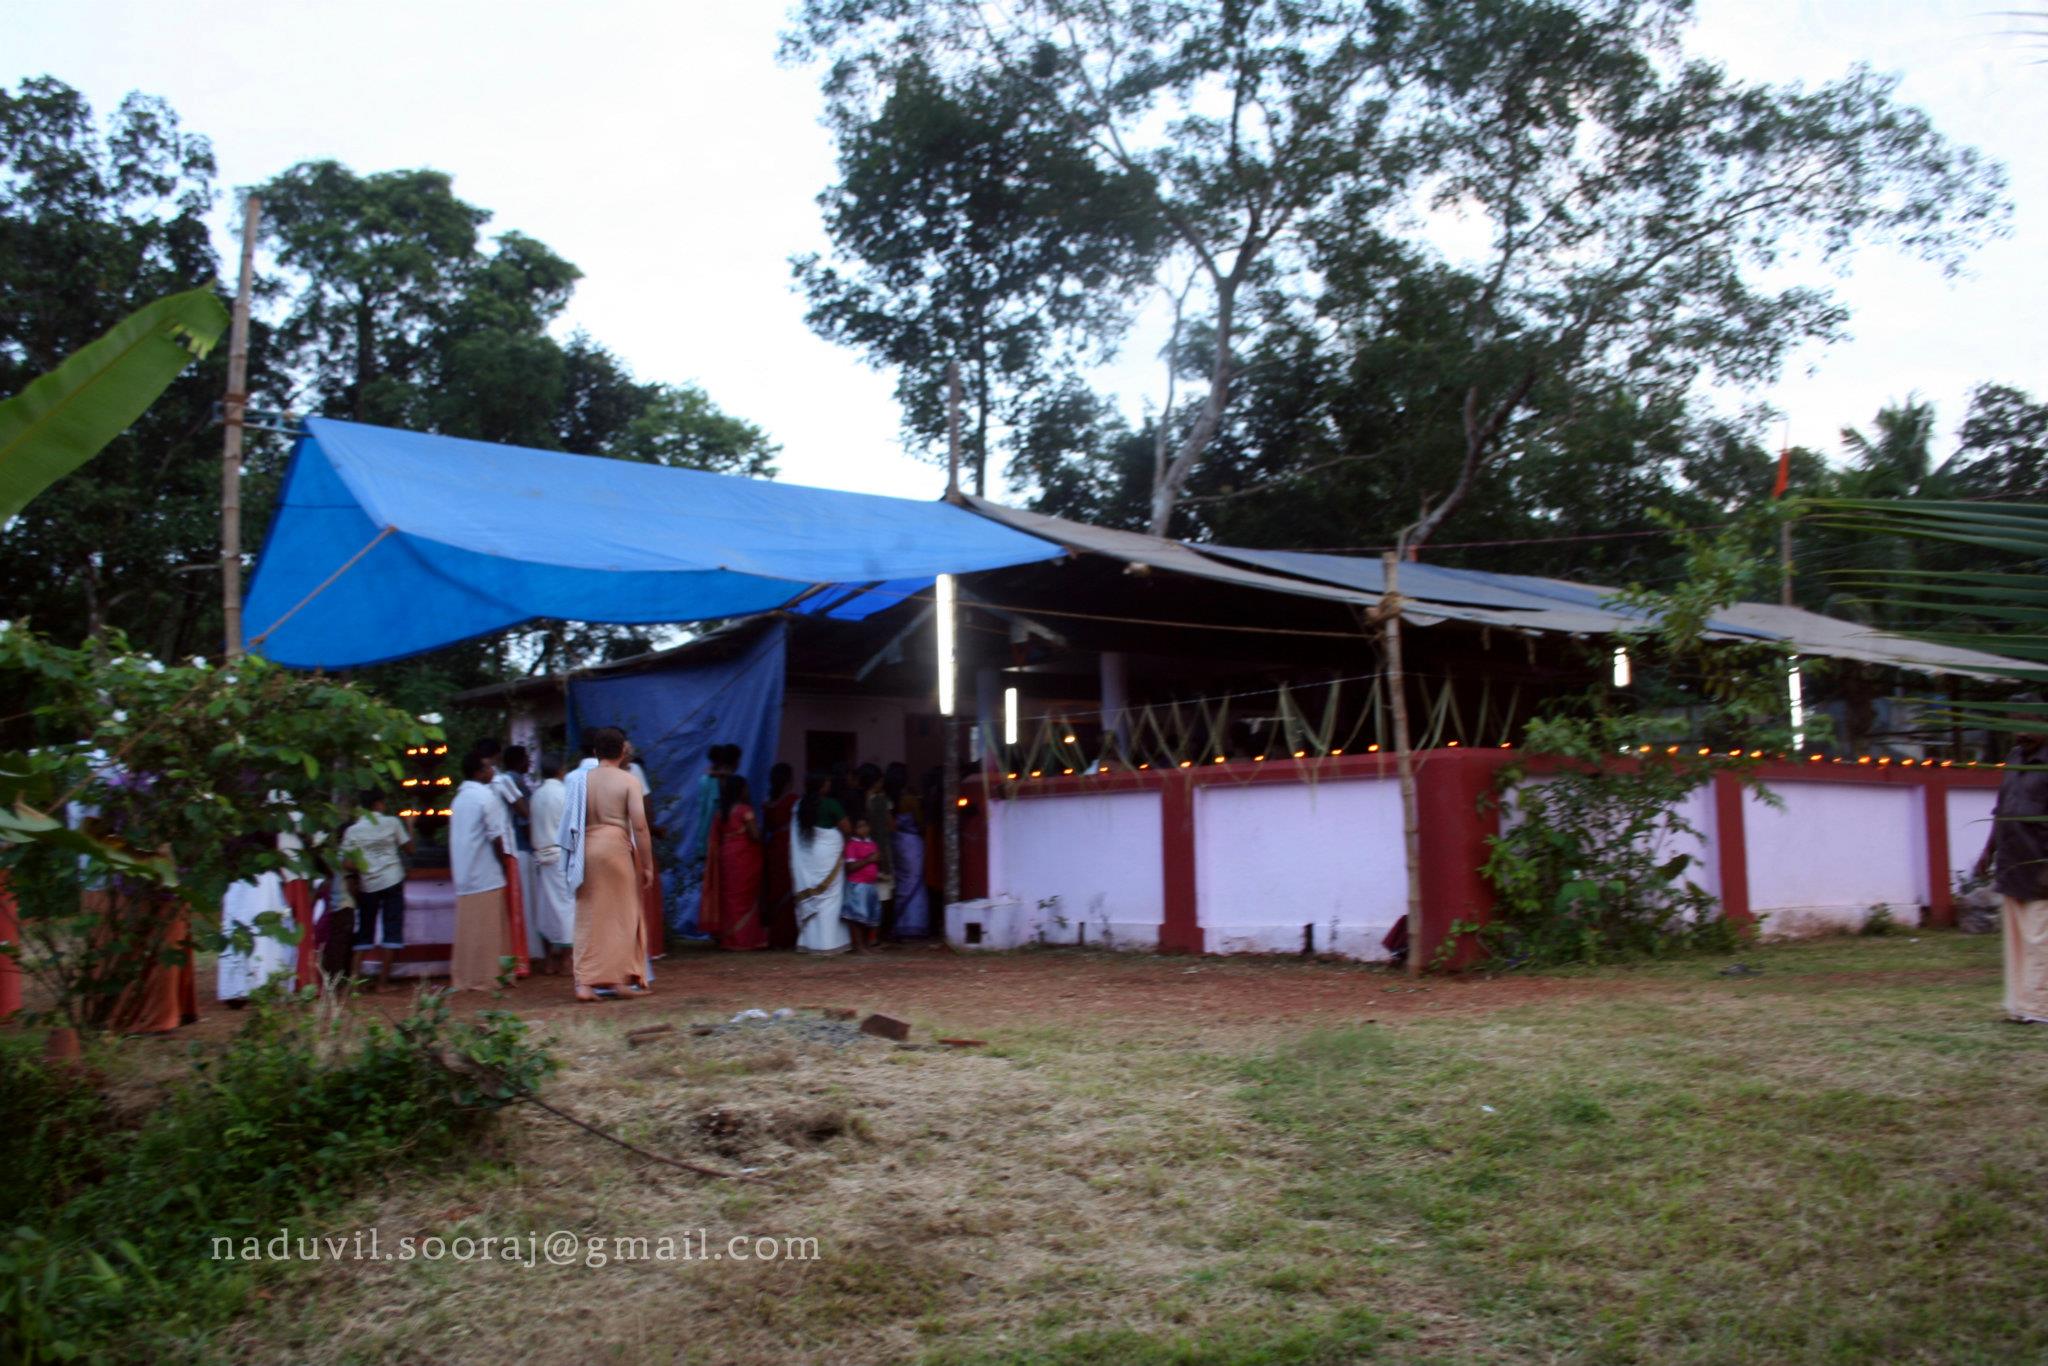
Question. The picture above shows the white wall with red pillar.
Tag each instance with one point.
(1293, 854)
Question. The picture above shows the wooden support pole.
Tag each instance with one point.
(950, 819)
(231, 444)
(1404, 758)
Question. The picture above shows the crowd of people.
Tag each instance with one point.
(555, 869)
(832, 867)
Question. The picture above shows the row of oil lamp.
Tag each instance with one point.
(1884, 761)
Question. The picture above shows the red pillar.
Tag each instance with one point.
(1941, 905)
(974, 821)
(298, 897)
(1181, 931)
(1731, 850)
(10, 934)
(1449, 786)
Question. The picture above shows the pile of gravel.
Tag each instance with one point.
(790, 1028)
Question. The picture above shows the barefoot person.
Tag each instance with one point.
(2017, 857)
(479, 843)
(608, 850)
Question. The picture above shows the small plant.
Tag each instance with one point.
(1879, 922)
(111, 1220)
(1588, 867)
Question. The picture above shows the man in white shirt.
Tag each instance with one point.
(554, 905)
(479, 840)
(373, 850)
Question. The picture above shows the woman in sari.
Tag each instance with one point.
(162, 994)
(735, 865)
(778, 903)
(610, 867)
(817, 849)
(906, 830)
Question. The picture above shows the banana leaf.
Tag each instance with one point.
(68, 416)
(2000, 608)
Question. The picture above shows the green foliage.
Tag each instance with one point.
(1589, 866)
(114, 1220)
(1638, 206)
(192, 771)
(66, 417)
(390, 309)
(98, 220)
(973, 229)
(1999, 604)
(1741, 682)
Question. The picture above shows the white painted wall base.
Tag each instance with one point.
(1007, 923)
(1350, 941)
(1804, 922)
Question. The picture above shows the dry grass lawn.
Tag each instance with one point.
(1839, 1159)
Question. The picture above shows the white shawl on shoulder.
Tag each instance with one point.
(575, 808)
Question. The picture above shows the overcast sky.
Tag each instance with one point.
(660, 147)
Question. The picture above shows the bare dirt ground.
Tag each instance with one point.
(1042, 986)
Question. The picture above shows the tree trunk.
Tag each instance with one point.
(1481, 437)
(981, 427)
(1166, 492)
(95, 623)
(365, 364)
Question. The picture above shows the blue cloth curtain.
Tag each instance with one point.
(673, 717)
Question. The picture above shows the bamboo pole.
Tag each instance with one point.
(1404, 757)
(231, 444)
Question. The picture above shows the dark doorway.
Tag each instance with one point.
(924, 743)
(824, 748)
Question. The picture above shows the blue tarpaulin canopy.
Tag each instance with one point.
(390, 543)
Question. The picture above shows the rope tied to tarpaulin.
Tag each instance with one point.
(325, 584)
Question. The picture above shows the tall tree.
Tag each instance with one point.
(1629, 200)
(967, 226)
(2002, 447)
(97, 220)
(395, 309)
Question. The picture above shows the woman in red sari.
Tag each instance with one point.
(732, 871)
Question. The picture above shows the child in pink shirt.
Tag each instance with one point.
(862, 909)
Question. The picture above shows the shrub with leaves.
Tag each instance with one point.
(187, 773)
(112, 1225)
(1591, 863)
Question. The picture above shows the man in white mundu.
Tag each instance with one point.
(479, 837)
(554, 905)
(270, 958)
